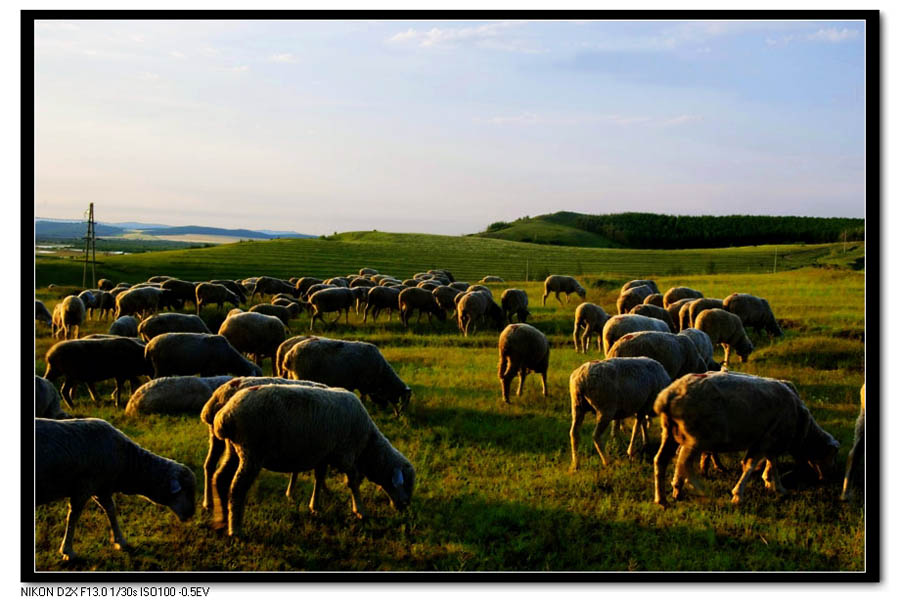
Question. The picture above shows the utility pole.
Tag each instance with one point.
(90, 249)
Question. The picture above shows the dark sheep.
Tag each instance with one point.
(379, 298)
(46, 400)
(515, 301)
(754, 312)
(171, 322)
(41, 314)
(477, 306)
(421, 300)
(632, 298)
(680, 292)
(331, 300)
(207, 292)
(186, 354)
(562, 284)
(523, 349)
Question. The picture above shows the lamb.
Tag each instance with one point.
(487, 279)
(590, 320)
(290, 428)
(256, 334)
(562, 284)
(677, 354)
(46, 400)
(173, 395)
(654, 299)
(381, 297)
(188, 353)
(618, 326)
(139, 302)
(207, 292)
(477, 306)
(96, 359)
(704, 346)
(614, 389)
(85, 458)
(266, 285)
(636, 283)
(420, 299)
(695, 307)
(632, 298)
(328, 300)
(126, 326)
(283, 312)
(674, 310)
(171, 322)
(654, 311)
(854, 477)
(445, 295)
(105, 285)
(754, 312)
(523, 348)
(348, 364)
(677, 293)
(515, 301)
(71, 314)
(727, 412)
(724, 327)
(41, 314)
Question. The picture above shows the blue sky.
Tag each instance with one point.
(447, 126)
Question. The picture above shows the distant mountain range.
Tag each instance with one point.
(65, 228)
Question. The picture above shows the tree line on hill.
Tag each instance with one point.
(657, 231)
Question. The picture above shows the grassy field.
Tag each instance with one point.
(493, 489)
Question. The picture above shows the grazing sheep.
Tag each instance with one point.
(214, 402)
(173, 395)
(632, 298)
(562, 284)
(474, 306)
(590, 320)
(754, 312)
(106, 304)
(182, 290)
(316, 288)
(677, 293)
(234, 286)
(126, 326)
(445, 274)
(379, 298)
(515, 301)
(367, 271)
(95, 359)
(139, 302)
(674, 310)
(618, 326)
(636, 283)
(854, 477)
(91, 302)
(704, 346)
(41, 314)
(695, 307)
(188, 353)
(726, 412)
(159, 279)
(725, 328)
(445, 295)
(329, 300)
(289, 428)
(338, 281)
(46, 400)
(677, 354)
(523, 348)
(56, 321)
(428, 285)
(266, 285)
(487, 279)
(361, 281)
(105, 285)
(256, 334)
(475, 288)
(283, 312)
(460, 286)
(303, 285)
(348, 364)
(281, 353)
(207, 292)
(614, 389)
(171, 322)
(654, 311)
(413, 299)
(654, 299)
(72, 314)
(89, 458)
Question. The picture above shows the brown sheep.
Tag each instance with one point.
(523, 348)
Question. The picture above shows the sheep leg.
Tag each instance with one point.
(544, 383)
(66, 390)
(94, 395)
(638, 424)
(117, 392)
(522, 374)
(216, 447)
(684, 472)
(290, 488)
(557, 297)
(727, 355)
(318, 487)
(366, 314)
(506, 375)
(117, 538)
(67, 548)
(221, 484)
(544, 299)
(578, 413)
(575, 338)
(599, 431)
(237, 497)
(747, 465)
(353, 481)
(667, 448)
(772, 478)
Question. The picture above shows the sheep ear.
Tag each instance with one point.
(174, 486)
(397, 479)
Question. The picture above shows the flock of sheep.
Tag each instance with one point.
(659, 360)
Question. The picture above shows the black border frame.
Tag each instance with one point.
(874, 175)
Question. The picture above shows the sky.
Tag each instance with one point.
(445, 126)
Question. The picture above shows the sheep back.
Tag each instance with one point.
(753, 311)
(173, 395)
(171, 322)
(677, 354)
(186, 354)
(676, 293)
(618, 326)
(726, 328)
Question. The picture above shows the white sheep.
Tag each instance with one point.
(287, 428)
(676, 293)
(653, 311)
(562, 284)
(590, 320)
(725, 328)
(89, 458)
(637, 283)
(704, 346)
(618, 326)
(475, 306)
(256, 334)
(691, 309)
(72, 314)
(173, 395)
(728, 412)
(632, 297)
(171, 322)
(677, 354)
(523, 348)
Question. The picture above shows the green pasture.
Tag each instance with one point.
(493, 487)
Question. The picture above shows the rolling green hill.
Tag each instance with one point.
(552, 229)
(468, 258)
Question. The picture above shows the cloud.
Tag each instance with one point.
(497, 36)
(239, 68)
(286, 57)
(147, 76)
(833, 35)
(680, 120)
(521, 119)
(55, 26)
(176, 54)
(527, 118)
